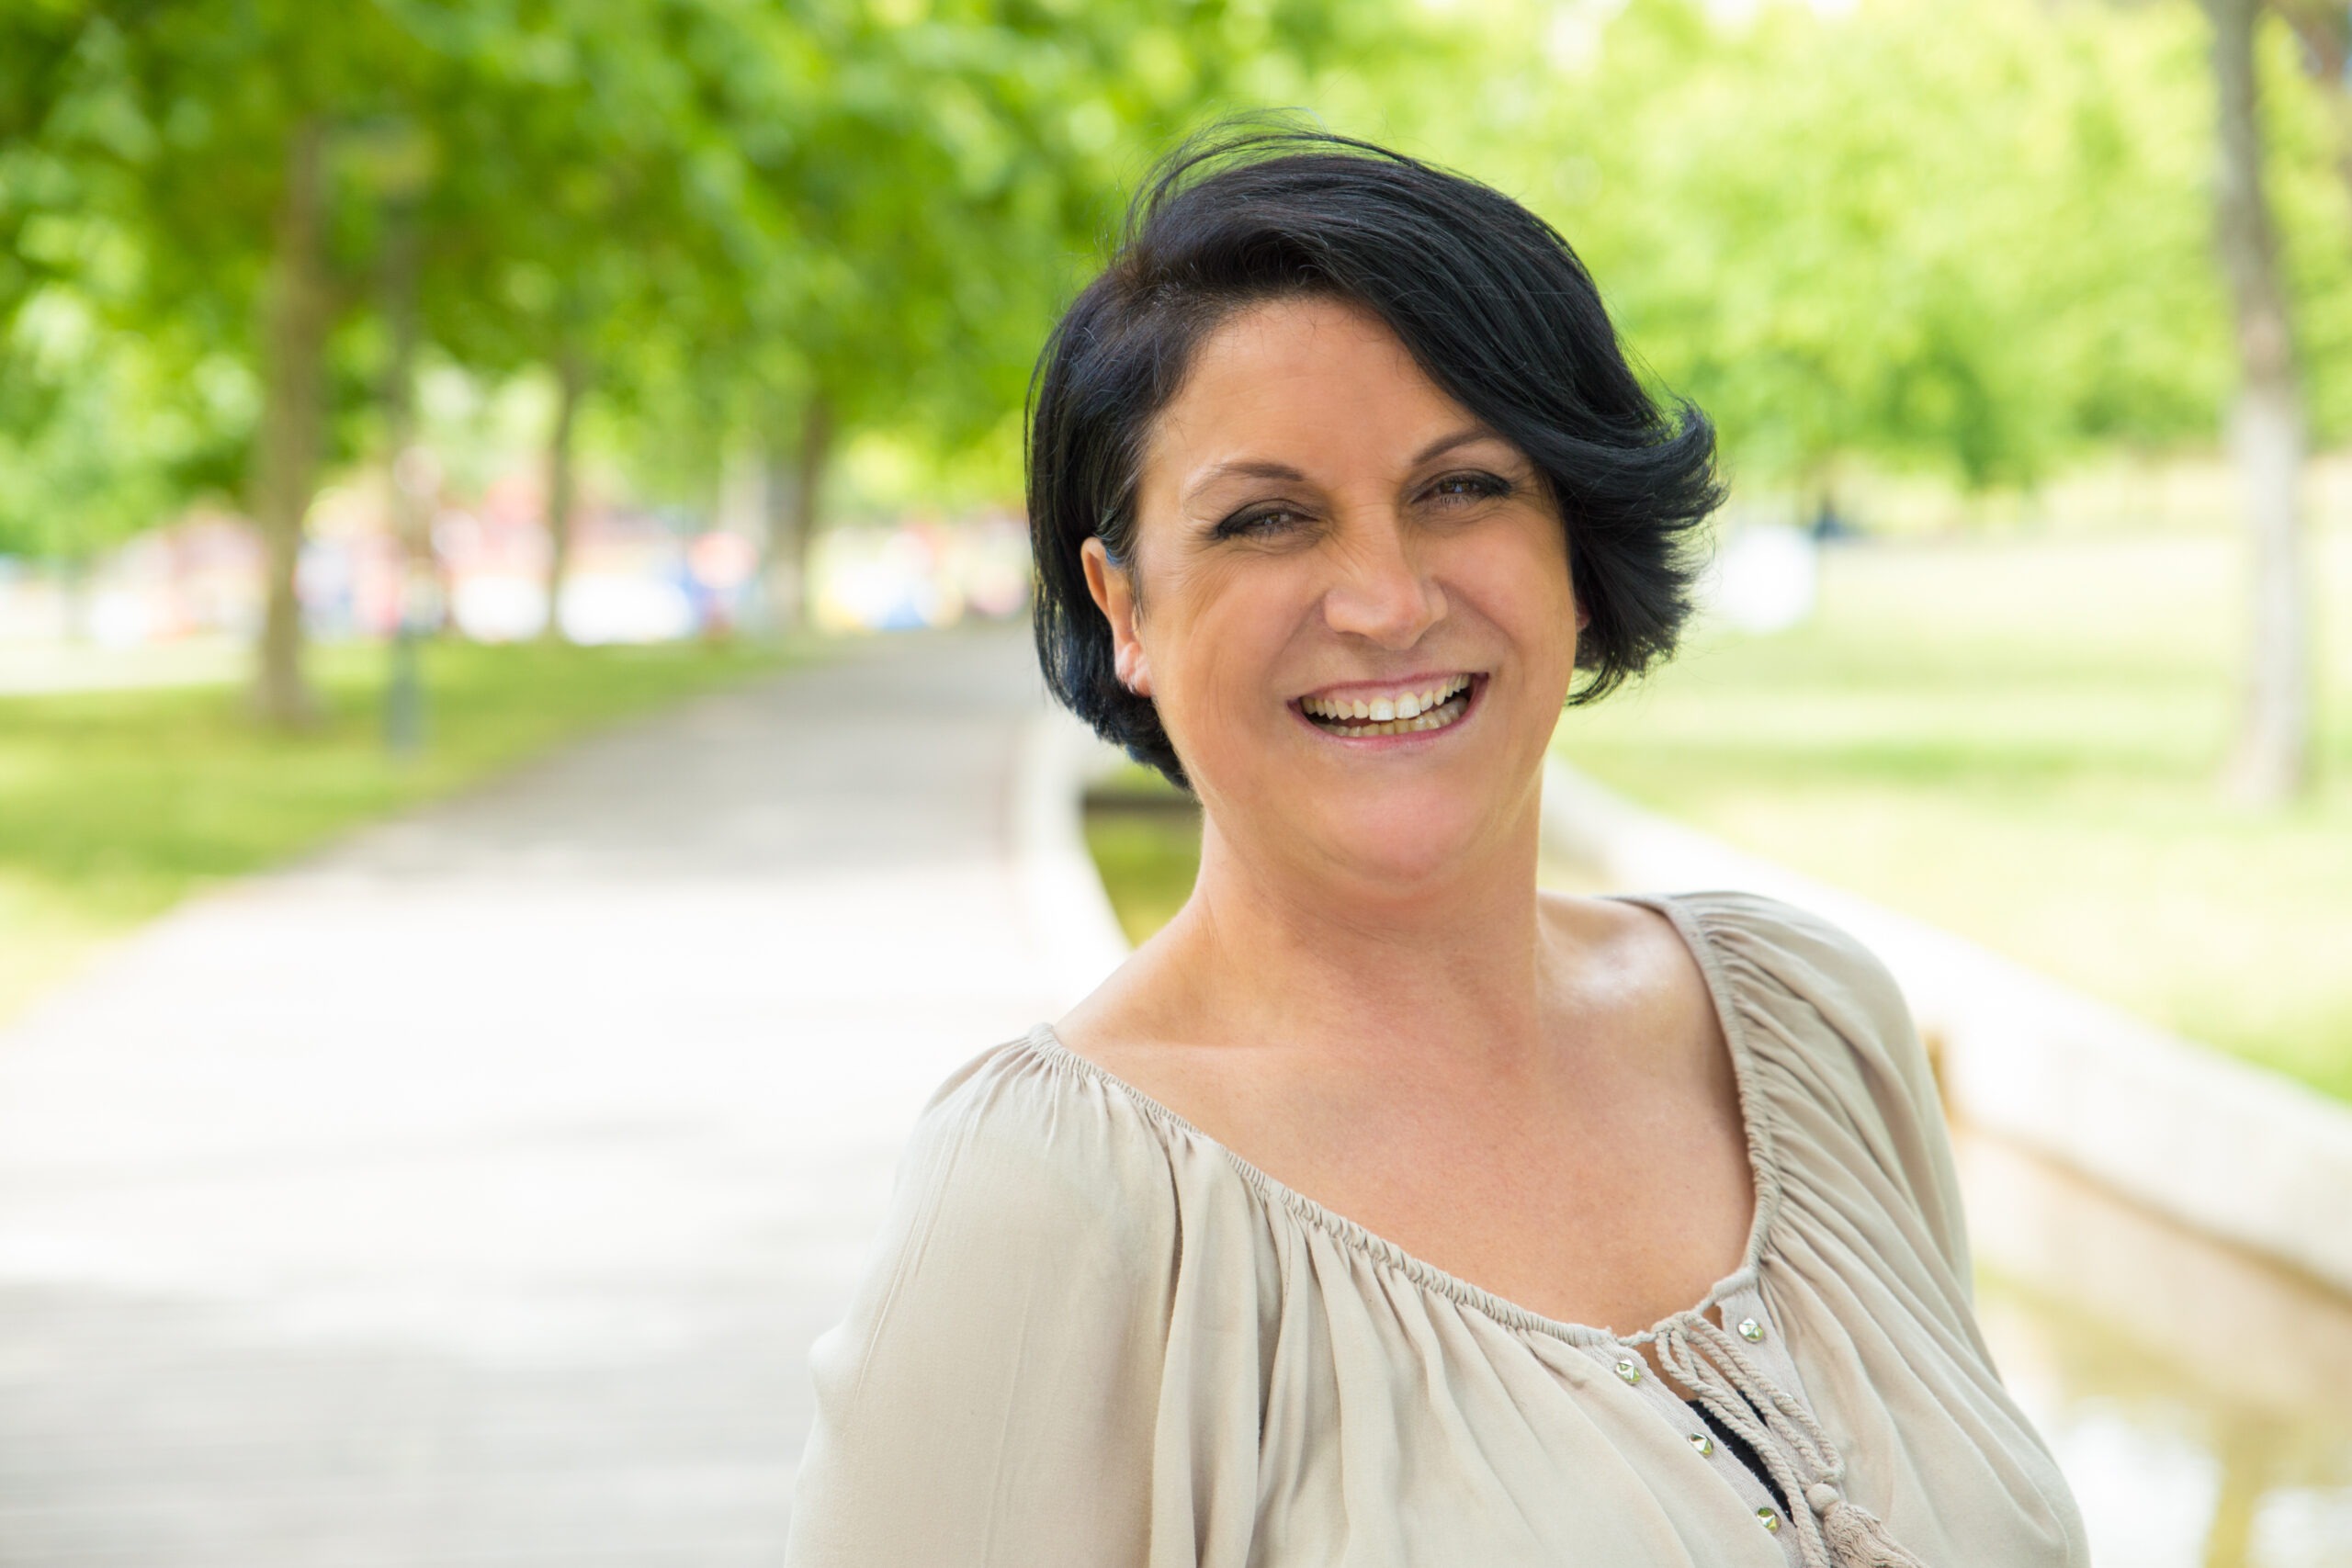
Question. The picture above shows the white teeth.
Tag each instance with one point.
(1404, 712)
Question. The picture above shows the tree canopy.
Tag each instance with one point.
(1972, 244)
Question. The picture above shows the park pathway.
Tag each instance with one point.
(470, 1194)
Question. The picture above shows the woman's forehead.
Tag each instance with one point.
(1277, 346)
(1291, 380)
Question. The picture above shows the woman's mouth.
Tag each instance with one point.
(1403, 710)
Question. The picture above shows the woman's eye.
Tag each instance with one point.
(1263, 520)
(1470, 486)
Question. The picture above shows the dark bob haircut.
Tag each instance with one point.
(1486, 296)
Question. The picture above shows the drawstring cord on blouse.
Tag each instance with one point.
(1831, 1531)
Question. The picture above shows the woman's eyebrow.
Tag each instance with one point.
(1242, 468)
(1266, 468)
(1445, 443)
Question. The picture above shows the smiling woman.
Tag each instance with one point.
(1481, 299)
(1381, 1208)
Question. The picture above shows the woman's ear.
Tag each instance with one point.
(1114, 591)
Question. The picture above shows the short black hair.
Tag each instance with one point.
(1487, 298)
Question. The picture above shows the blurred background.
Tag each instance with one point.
(394, 395)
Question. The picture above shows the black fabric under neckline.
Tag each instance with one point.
(1741, 1451)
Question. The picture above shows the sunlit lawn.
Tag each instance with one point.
(1148, 859)
(2017, 740)
(115, 805)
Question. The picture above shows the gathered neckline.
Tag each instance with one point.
(1756, 1122)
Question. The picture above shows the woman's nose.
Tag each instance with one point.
(1381, 594)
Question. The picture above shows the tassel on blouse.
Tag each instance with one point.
(1831, 1531)
(1854, 1534)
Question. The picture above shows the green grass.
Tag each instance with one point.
(2019, 739)
(116, 805)
(1148, 860)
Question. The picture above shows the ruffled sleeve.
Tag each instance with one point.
(990, 1400)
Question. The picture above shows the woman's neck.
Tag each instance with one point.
(1266, 950)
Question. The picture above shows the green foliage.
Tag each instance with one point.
(100, 434)
(955, 172)
(139, 174)
(715, 209)
(1975, 242)
(1967, 244)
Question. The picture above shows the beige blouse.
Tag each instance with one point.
(1095, 1338)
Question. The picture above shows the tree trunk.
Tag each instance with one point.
(2271, 763)
(295, 308)
(794, 493)
(404, 691)
(570, 384)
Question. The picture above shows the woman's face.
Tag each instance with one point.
(1348, 599)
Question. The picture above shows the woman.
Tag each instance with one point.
(1382, 1209)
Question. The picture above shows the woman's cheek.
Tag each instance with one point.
(1524, 588)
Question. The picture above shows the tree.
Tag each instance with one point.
(610, 212)
(212, 136)
(2270, 762)
(92, 448)
(105, 423)
(2324, 30)
(1971, 248)
(957, 169)
(815, 220)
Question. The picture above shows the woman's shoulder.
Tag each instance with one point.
(1023, 1146)
(1826, 1021)
(1749, 943)
(986, 1398)
(1812, 1004)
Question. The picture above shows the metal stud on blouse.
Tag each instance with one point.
(1631, 1372)
(1751, 1331)
(1767, 1518)
(1703, 1443)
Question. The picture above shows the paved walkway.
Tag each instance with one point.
(472, 1193)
